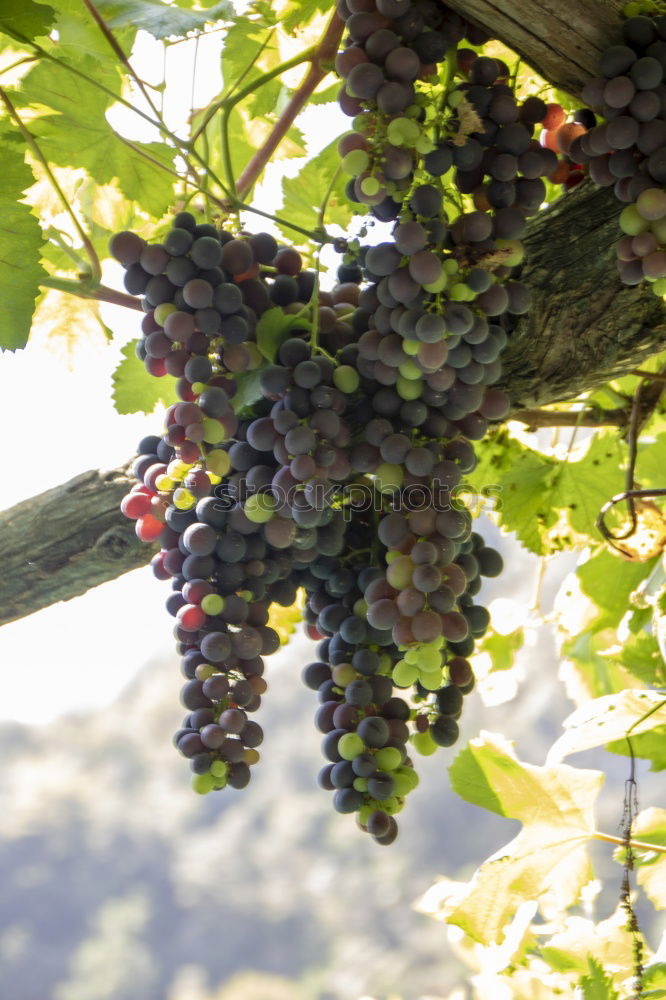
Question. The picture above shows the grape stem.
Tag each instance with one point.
(321, 57)
(95, 267)
(638, 845)
(113, 42)
(100, 294)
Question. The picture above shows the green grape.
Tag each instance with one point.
(212, 604)
(203, 783)
(350, 746)
(346, 379)
(424, 744)
(260, 508)
(355, 162)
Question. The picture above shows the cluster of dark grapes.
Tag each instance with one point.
(343, 473)
(625, 148)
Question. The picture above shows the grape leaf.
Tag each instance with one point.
(502, 648)
(134, 390)
(597, 985)
(78, 134)
(535, 490)
(248, 390)
(649, 746)
(22, 19)
(609, 580)
(609, 718)
(608, 942)
(21, 240)
(301, 11)
(304, 194)
(159, 19)
(547, 860)
(640, 657)
(274, 328)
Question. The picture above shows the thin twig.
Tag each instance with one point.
(323, 53)
(113, 42)
(637, 845)
(100, 294)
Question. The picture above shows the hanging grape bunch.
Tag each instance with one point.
(322, 437)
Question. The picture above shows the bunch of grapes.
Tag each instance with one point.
(626, 146)
(343, 475)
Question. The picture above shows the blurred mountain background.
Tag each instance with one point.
(121, 884)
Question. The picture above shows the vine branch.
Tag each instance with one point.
(323, 53)
(571, 418)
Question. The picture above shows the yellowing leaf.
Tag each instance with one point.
(609, 718)
(548, 859)
(63, 323)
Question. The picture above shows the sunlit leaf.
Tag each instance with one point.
(596, 985)
(134, 390)
(160, 19)
(502, 649)
(20, 245)
(609, 718)
(273, 329)
(548, 859)
(319, 180)
(25, 18)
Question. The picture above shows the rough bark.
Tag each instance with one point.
(561, 39)
(585, 326)
(59, 544)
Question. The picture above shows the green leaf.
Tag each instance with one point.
(304, 194)
(608, 942)
(301, 11)
(248, 390)
(134, 390)
(22, 19)
(609, 718)
(159, 19)
(274, 328)
(547, 860)
(649, 746)
(609, 581)
(641, 657)
(502, 648)
(77, 134)
(655, 975)
(546, 501)
(21, 240)
(597, 985)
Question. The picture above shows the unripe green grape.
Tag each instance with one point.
(214, 431)
(461, 293)
(410, 371)
(405, 674)
(388, 758)
(389, 477)
(343, 674)
(437, 286)
(203, 783)
(163, 310)
(350, 745)
(370, 186)
(401, 785)
(413, 656)
(431, 680)
(355, 162)
(631, 222)
(659, 229)
(390, 806)
(346, 379)
(408, 389)
(164, 484)
(259, 508)
(659, 287)
(451, 266)
(361, 784)
(212, 604)
(411, 775)
(183, 499)
(424, 744)
(410, 347)
(455, 99)
(360, 608)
